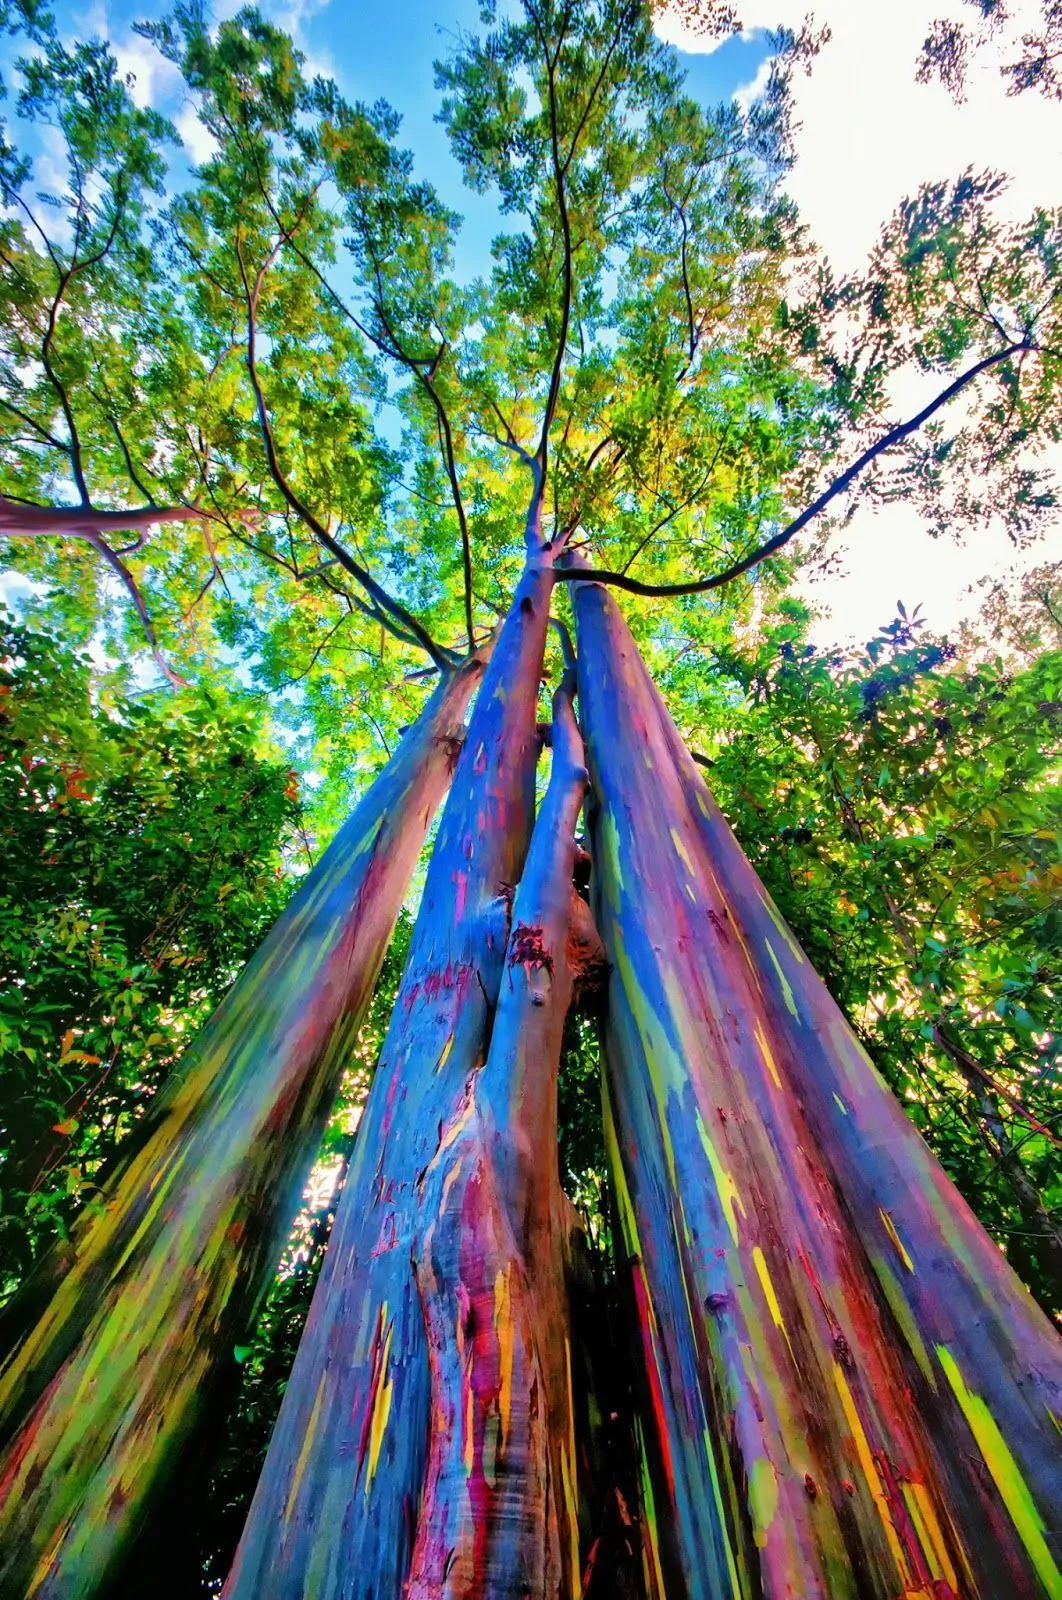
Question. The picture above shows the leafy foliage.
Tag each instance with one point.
(1030, 58)
(144, 856)
(901, 802)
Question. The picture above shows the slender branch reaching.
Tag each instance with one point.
(559, 172)
(426, 381)
(66, 277)
(446, 440)
(31, 422)
(84, 528)
(771, 546)
(391, 607)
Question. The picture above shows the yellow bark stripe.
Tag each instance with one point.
(503, 1327)
(683, 853)
(1013, 1490)
(729, 1198)
(871, 1474)
(307, 1446)
(920, 1509)
(782, 979)
(381, 1404)
(765, 1050)
(760, 1263)
(890, 1229)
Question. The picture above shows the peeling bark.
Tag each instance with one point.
(847, 1391)
(336, 1509)
(499, 1512)
(120, 1331)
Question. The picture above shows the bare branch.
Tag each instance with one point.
(392, 608)
(559, 170)
(31, 422)
(66, 277)
(19, 517)
(771, 546)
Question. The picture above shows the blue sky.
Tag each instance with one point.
(395, 62)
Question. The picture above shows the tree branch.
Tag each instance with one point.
(392, 608)
(86, 531)
(559, 169)
(66, 277)
(771, 546)
(21, 518)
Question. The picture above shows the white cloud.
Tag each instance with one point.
(196, 138)
(749, 92)
(887, 556)
(158, 83)
(51, 175)
(869, 135)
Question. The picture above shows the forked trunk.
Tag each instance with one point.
(499, 1515)
(336, 1510)
(122, 1329)
(849, 1394)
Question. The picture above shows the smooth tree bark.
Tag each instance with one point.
(848, 1393)
(337, 1508)
(499, 1513)
(119, 1332)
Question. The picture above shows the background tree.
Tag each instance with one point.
(148, 845)
(901, 803)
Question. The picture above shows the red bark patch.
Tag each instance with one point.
(527, 948)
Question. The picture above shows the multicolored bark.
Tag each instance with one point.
(105, 1383)
(848, 1393)
(337, 1506)
(498, 1514)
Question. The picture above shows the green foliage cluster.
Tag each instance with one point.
(902, 803)
(143, 856)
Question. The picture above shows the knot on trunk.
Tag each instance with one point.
(450, 744)
(527, 948)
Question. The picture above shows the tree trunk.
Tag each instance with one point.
(120, 1330)
(849, 1394)
(337, 1507)
(498, 1515)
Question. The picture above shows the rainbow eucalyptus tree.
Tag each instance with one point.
(848, 1391)
(628, 376)
(440, 1311)
(123, 1326)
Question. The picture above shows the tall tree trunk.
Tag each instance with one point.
(336, 1509)
(849, 1392)
(120, 1331)
(499, 1515)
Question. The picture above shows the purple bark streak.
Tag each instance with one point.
(104, 1386)
(848, 1393)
